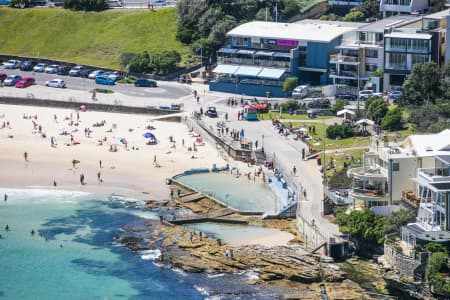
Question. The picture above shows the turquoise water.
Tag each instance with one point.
(239, 193)
(73, 254)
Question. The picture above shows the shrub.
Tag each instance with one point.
(86, 5)
(392, 120)
(161, 63)
(339, 131)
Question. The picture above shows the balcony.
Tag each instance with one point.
(434, 175)
(339, 58)
(368, 195)
(367, 173)
(411, 198)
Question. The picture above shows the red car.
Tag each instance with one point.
(26, 81)
(3, 76)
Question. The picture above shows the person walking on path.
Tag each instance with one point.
(294, 170)
(154, 159)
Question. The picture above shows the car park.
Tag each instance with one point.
(3, 76)
(27, 65)
(56, 83)
(211, 112)
(52, 69)
(63, 70)
(102, 79)
(145, 82)
(40, 67)
(319, 103)
(76, 71)
(12, 64)
(25, 81)
(365, 94)
(345, 96)
(95, 73)
(11, 80)
(301, 91)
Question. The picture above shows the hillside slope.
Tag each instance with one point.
(87, 38)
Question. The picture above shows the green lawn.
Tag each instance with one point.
(317, 141)
(94, 38)
(340, 157)
(276, 114)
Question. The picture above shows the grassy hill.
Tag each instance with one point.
(86, 38)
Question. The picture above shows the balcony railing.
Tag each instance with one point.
(343, 58)
(433, 175)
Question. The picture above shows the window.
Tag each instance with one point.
(395, 61)
(399, 44)
(417, 58)
(371, 67)
(396, 167)
(240, 41)
(418, 45)
(372, 53)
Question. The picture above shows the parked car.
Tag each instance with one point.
(63, 70)
(56, 83)
(25, 81)
(27, 65)
(211, 112)
(95, 73)
(52, 69)
(341, 192)
(319, 103)
(3, 76)
(145, 82)
(102, 79)
(394, 95)
(11, 80)
(40, 67)
(345, 96)
(301, 91)
(12, 64)
(76, 71)
(114, 75)
(365, 94)
(84, 73)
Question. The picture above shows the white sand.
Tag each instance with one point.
(130, 172)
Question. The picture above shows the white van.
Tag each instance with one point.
(301, 91)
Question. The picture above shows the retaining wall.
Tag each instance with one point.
(90, 106)
(404, 264)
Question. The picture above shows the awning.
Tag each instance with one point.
(345, 111)
(365, 122)
(264, 53)
(248, 71)
(227, 50)
(282, 54)
(271, 73)
(227, 69)
(248, 52)
(312, 69)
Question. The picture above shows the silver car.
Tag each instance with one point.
(40, 67)
(11, 80)
(56, 83)
(95, 73)
(12, 64)
(51, 69)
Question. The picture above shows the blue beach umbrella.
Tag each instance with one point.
(149, 135)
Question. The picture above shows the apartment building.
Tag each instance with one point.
(363, 52)
(388, 167)
(397, 7)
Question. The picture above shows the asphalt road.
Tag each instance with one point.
(171, 90)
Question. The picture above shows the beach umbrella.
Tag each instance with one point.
(149, 135)
(123, 140)
(302, 129)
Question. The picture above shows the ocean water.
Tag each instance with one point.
(72, 255)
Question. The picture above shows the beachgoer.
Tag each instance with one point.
(161, 218)
(219, 242)
(32, 232)
(201, 235)
(25, 156)
(100, 163)
(191, 236)
(54, 183)
(99, 176)
(7, 227)
(82, 179)
(294, 170)
(256, 144)
(154, 159)
(5, 197)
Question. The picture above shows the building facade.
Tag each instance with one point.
(260, 55)
(388, 167)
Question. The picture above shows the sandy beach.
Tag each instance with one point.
(130, 170)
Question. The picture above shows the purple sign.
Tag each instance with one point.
(287, 43)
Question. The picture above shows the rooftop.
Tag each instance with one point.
(429, 144)
(423, 36)
(308, 31)
(381, 25)
(434, 236)
(439, 15)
